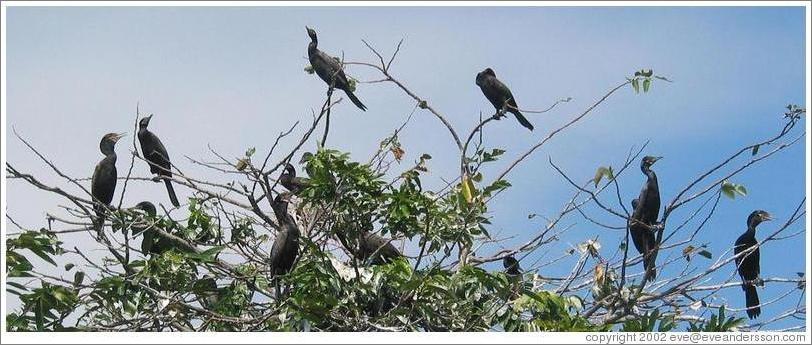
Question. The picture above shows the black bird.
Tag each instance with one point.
(644, 217)
(155, 153)
(150, 242)
(499, 95)
(328, 69)
(369, 244)
(292, 183)
(382, 249)
(286, 247)
(748, 264)
(511, 265)
(103, 183)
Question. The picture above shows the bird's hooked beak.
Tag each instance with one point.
(766, 217)
(118, 136)
(656, 159)
(145, 120)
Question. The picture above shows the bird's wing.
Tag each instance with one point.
(276, 249)
(327, 68)
(155, 152)
(738, 247)
(497, 92)
(755, 256)
(103, 182)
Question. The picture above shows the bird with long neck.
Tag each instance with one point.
(748, 263)
(644, 217)
(285, 248)
(329, 70)
(291, 182)
(105, 176)
(157, 157)
(500, 96)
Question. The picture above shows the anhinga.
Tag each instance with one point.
(157, 157)
(285, 248)
(511, 265)
(292, 183)
(749, 268)
(103, 183)
(644, 217)
(328, 69)
(499, 95)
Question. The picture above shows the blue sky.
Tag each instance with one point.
(232, 78)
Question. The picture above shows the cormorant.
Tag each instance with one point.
(285, 248)
(103, 183)
(644, 217)
(369, 243)
(748, 264)
(150, 243)
(328, 69)
(499, 95)
(511, 265)
(384, 250)
(155, 153)
(292, 183)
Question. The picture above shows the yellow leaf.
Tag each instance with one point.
(467, 188)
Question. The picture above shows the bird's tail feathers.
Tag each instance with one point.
(355, 100)
(523, 120)
(751, 297)
(169, 189)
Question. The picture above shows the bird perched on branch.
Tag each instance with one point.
(285, 248)
(103, 183)
(644, 218)
(369, 245)
(499, 95)
(292, 183)
(511, 265)
(380, 249)
(150, 243)
(329, 69)
(748, 264)
(157, 157)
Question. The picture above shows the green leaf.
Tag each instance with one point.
(730, 189)
(635, 86)
(600, 173)
(705, 253)
(42, 255)
(69, 266)
(755, 150)
(646, 85)
(250, 152)
(207, 255)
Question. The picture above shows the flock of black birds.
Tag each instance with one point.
(370, 247)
